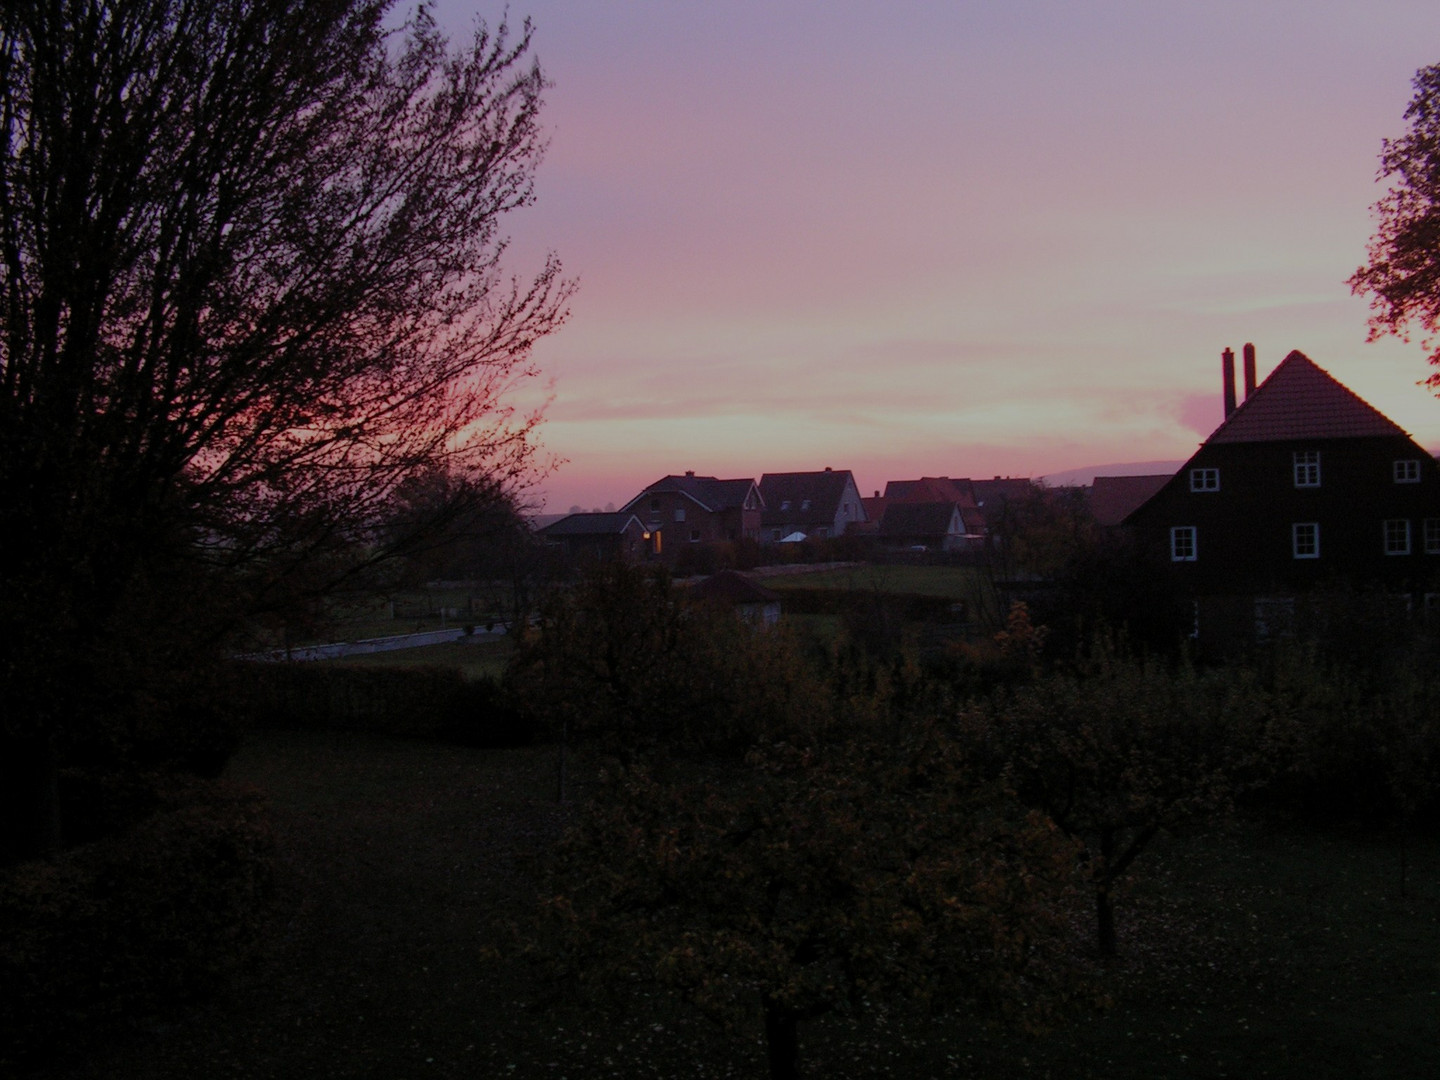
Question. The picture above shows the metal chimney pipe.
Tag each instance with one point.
(1227, 369)
(1249, 370)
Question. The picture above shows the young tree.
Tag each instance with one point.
(814, 880)
(1403, 271)
(1118, 751)
(250, 281)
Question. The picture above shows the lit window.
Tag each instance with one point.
(1407, 471)
(1307, 469)
(1305, 539)
(1432, 536)
(1182, 543)
(679, 513)
(1204, 479)
(1397, 536)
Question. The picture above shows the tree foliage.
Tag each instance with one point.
(250, 281)
(1119, 749)
(625, 658)
(811, 880)
(1402, 274)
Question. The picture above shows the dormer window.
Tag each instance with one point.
(785, 504)
(804, 504)
(1307, 470)
(1407, 471)
(1204, 479)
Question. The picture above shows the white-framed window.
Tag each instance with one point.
(1407, 471)
(784, 504)
(694, 536)
(1397, 536)
(1432, 536)
(1307, 468)
(679, 513)
(1305, 539)
(1183, 543)
(1204, 479)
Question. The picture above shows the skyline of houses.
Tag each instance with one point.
(1302, 483)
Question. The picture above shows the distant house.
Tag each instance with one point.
(1114, 498)
(690, 509)
(934, 512)
(815, 504)
(752, 601)
(1302, 484)
(934, 526)
(598, 537)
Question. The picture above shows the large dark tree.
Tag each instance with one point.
(250, 282)
(1402, 275)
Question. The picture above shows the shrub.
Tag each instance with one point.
(128, 924)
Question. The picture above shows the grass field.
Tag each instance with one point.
(473, 659)
(955, 582)
(1263, 951)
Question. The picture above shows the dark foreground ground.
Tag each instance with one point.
(1258, 953)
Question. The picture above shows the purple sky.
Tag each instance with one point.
(960, 239)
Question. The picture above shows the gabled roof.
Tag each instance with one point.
(916, 519)
(822, 490)
(1112, 498)
(931, 489)
(1298, 400)
(711, 494)
(591, 525)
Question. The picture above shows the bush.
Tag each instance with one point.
(112, 929)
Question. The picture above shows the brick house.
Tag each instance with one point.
(599, 537)
(1302, 485)
(692, 509)
(816, 504)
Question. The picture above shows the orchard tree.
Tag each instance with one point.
(1402, 274)
(1119, 750)
(250, 282)
(813, 880)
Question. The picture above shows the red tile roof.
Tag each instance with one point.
(930, 489)
(1300, 401)
(1113, 497)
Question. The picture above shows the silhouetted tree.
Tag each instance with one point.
(1402, 274)
(250, 282)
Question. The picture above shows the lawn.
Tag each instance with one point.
(955, 582)
(1261, 951)
(473, 658)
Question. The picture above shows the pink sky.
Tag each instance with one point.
(950, 238)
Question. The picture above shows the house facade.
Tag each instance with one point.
(690, 509)
(1302, 485)
(815, 505)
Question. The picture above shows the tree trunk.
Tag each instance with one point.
(782, 1041)
(1104, 903)
(1105, 920)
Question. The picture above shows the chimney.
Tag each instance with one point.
(1227, 368)
(689, 472)
(828, 469)
(1249, 370)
